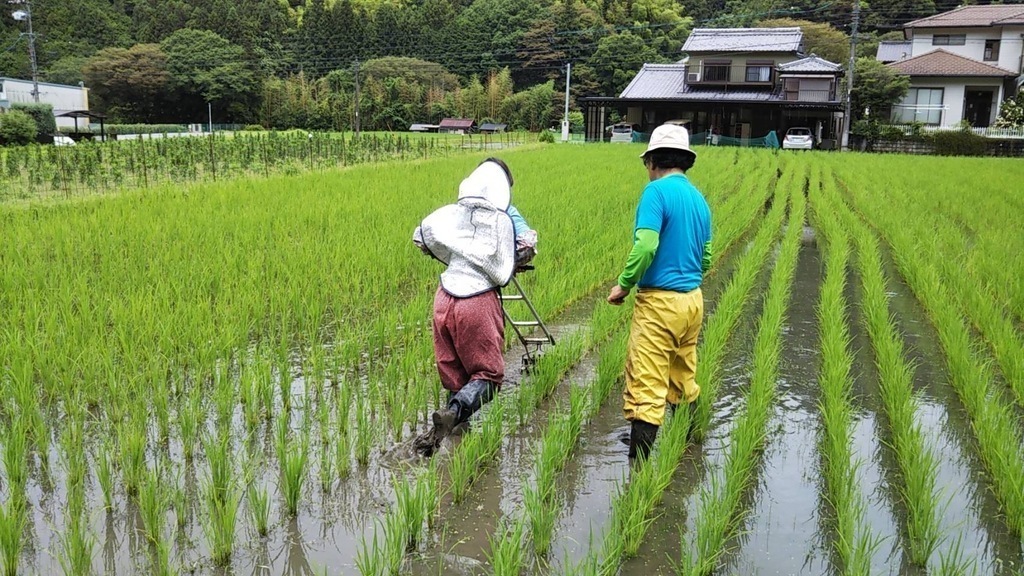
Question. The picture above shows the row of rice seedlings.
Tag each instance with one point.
(721, 511)
(507, 546)
(988, 315)
(854, 542)
(992, 417)
(733, 300)
(551, 454)
(916, 460)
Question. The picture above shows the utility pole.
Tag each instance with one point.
(26, 14)
(847, 115)
(356, 126)
(565, 119)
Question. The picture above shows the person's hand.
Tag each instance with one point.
(617, 296)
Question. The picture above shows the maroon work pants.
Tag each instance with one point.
(469, 334)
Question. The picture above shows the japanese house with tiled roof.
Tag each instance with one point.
(962, 65)
(737, 82)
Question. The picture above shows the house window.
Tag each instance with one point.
(717, 71)
(991, 50)
(949, 40)
(920, 105)
(759, 73)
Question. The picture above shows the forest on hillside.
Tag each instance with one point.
(293, 63)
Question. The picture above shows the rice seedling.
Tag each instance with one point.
(190, 420)
(365, 432)
(412, 507)
(507, 554)
(153, 501)
(220, 519)
(76, 545)
(16, 454)
(13, 520)
(952, 561)
(259, 508)
(105, 472)
(293, 460)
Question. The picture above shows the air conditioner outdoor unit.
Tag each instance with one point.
(693, 77)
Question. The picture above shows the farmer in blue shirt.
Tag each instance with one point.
(671, 252)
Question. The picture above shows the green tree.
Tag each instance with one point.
(154, 20)
(205, 67)
(876, 87)
(77, 28)
(17, 128)
(67, 70)
(42, 115)
(532, 109)
(819, 38)
(131, 84)
(618, 58)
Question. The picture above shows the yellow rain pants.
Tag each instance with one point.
(661, 363)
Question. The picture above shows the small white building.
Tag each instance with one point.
(63, 98)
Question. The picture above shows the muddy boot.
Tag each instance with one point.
(445, 420)
(641, 438)
(472, 397)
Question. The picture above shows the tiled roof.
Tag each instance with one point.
(893, 51)
(991, 15)
(744, 40)
(942, 63)
(657, 81)
(668, 82)
(457, 123)
(812, 63)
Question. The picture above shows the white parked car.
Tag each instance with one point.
(798, 139)
(622, 132)
(61, 140)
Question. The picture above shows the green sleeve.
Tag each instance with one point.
(705, 262)
(645, 244)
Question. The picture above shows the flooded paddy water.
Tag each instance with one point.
(789, 524)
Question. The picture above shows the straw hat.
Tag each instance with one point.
(669, 136)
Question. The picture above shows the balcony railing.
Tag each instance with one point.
(990, 132)
(810, 95)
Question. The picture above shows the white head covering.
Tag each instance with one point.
(490, 183)
(475, 237)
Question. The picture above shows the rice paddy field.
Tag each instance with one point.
(225, 377)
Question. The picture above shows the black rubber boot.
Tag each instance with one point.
(472, 397)
(641, 439)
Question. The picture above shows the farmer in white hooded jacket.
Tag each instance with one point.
(482, 239)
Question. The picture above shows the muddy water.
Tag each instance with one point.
(461, 544)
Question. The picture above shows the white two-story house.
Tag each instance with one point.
(962, 65)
